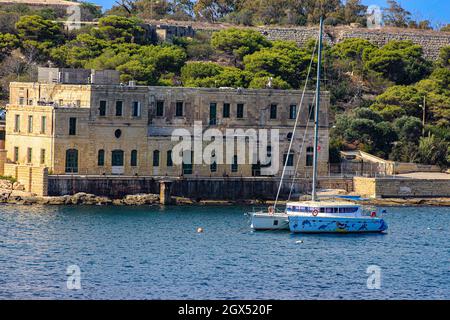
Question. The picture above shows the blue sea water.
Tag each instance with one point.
(156, 253)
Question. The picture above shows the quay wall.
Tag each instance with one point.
(401, 187)
(229, 188)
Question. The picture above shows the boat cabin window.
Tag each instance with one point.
(348, 210)
(323, 209)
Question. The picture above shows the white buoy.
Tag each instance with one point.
(199, 230)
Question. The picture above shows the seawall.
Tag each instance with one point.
(193, 188)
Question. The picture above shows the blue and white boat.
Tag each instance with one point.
(332, 217)
(329, 216)
(316, 216)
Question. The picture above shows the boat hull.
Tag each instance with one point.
(266, 221)
(304, 224)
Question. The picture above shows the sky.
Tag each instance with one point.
(437, 11)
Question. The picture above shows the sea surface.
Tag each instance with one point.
(156, 253)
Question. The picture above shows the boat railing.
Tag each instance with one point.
(266, 209)
(368, 211)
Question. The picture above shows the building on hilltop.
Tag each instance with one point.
(102, 127)
(76, 12)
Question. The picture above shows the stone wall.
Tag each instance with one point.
(401, 187)
(2, 161)
(34, 179)
(431, 41)
(204, 189)
(114, 187)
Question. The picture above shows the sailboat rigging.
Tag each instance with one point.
(316, 216)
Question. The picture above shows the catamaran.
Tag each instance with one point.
(316, 216)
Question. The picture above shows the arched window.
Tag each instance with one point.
(156, 158)
(289, 136)
(101, 157)
(71, 161)
(309, 156)
(133, 160)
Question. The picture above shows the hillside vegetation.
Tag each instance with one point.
(377, 93)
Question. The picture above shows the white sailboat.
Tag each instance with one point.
(316, 216)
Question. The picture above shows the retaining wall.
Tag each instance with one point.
(195, 188)
(401, 187)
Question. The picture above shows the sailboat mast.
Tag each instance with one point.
(316, 116)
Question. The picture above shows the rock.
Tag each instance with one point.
(140, 199)
(102, 201)
(4, 196)
(118, 202)
(56, 200)
(181, 200)
(23, 200)
(6, 184)
(17, 186)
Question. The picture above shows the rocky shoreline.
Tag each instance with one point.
(82, 198)
(12, 193)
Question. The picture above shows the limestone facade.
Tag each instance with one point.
(90, 129)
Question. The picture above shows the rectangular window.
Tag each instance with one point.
(309, 159)
(43, 124)
(311, 109)
(42, 157)
(187, 162)
(273, 111)
(133, 159)
(179, 109)
(16, 154)
(292, 111)
(212, 113)
(119, 108)
(101, 158)
(234, 165)
(16, 123)
(61, 102)
(169, 161)
(30, 124)
(159, 108)
(72, 126)
(29, 155)
(21, 101)
(290, 160)
(102, 108)
(156, 158)
(136, 109)
(78, 103)
(226, 110)
(240, 110)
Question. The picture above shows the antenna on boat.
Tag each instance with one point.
(316, 116)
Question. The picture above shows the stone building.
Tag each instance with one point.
(73, 10)
(93, 128)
